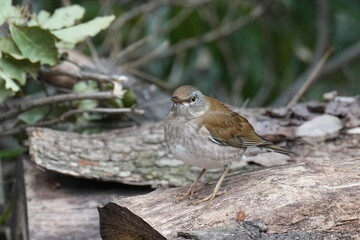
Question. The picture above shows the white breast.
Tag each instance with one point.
(193, 145)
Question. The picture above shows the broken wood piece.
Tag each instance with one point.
(318, 198)
(134, 155)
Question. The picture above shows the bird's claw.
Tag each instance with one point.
(189, 192)
(209, 198)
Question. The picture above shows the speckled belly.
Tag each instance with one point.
(193, 146)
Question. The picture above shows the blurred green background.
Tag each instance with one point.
(260, 62)
(240, 51)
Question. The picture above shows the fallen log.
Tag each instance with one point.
(134, 155)
(318, 198)
(137, 155)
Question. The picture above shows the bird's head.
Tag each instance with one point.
(189, 102)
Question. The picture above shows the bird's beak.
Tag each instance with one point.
(176, 99)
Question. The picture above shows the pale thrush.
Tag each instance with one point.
(203, 132)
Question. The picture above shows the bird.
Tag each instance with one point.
(204, 132)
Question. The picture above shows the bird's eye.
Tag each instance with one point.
(193, 99)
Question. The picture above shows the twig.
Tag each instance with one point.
(148, 57)
(210, 15)
(102, 110)
(322, 27)
(311, 78)
(177, 69)
(93, 51)
(335, 63)
(322, 39)
(210, 36)
(129, 49)
(149, 78)
(69, 114)
(87, 76)
(54, 99)
(176, 21)
(340, 60)
(66, 2)
(152, 6)
(268, 77)
(94, 110)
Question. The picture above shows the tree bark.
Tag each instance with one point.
(318, 198)
(135, 155)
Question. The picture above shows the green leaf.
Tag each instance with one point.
(10, 13)
(14, 70)
(11, 153)
(79, 32)
(4, 93)
(7, 45)
(6, 215)
(9, 83)
(36, 44)
(129, 98)
(63, 17)
(34, 115)
(5, 7)
(31, 68)
(86, 87)
(65, 45)
(38, 20)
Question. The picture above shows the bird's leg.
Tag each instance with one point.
(217, 187)
(191, 190)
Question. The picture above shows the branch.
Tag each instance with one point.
(69, 114)
(210, 36)
(83, 76)
(340, 60)
(54, 99)
(116, 59)
(149, 78)
(322, 23)
(322, 39)
(152, 6)
(310, 79)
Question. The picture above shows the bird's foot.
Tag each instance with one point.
(209, 198)
(190, 192)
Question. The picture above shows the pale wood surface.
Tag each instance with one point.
(310, 197)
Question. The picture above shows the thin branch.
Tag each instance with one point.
(69, 114)
(177, 69)
(86, 76)
(148, 57)
(152, 6)
(323, 30)
(94, 110)
(176, 21)
(149, 78)
(311, 78)
(217, 33)
(222, 31)
(102, 110)
(54, 99)
(340, 60)
(93, 51)
(210, 15)
(335, 63)
(322, 39)
(129, 49)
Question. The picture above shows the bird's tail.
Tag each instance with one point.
(274, 148)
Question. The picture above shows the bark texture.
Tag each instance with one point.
(135, 155)
(309, 197)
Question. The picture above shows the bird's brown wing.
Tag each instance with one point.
(230, 129)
